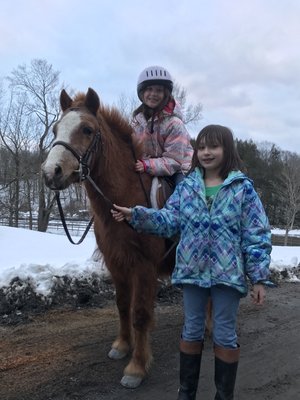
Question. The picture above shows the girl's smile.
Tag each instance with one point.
(153, 95)
(210, 157)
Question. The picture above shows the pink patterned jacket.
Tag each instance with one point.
(168, 149)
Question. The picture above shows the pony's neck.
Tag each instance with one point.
(114, 170)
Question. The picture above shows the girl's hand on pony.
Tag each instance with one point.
(120, 213)
(258, 294)
(139, 166)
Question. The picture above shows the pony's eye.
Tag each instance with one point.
(87, 131)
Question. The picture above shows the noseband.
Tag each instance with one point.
(83, 169)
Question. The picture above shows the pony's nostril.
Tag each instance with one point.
(58, 171)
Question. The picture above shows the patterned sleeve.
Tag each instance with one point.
(164, 222)
(256, 237)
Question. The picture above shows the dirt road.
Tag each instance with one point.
(62, 355)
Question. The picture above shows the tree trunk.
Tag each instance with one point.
(44, 210)
(289, 228)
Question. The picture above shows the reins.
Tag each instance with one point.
(63, 220)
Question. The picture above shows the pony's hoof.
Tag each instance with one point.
(116, 354)
(131, 382)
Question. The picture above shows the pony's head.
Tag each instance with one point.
(77, 137)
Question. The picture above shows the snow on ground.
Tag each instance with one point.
(42, 257)
(294, 232)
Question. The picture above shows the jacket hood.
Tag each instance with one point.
(175, 109)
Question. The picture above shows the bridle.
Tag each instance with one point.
(83, 161)
(84, 174)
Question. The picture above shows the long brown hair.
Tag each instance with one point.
(212, 135)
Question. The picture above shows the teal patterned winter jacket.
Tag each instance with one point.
(220, 246)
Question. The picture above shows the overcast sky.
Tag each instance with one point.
(240, 59)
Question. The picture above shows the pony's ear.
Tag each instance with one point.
(92, 101)
(65, 100)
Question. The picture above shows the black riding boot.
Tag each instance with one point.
(226, 364)
(190, 361)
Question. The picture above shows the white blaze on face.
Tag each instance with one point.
(59, 154)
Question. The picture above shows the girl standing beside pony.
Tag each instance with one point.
(224, 238)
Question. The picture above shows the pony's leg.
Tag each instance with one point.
(121, 346)
(144, 283)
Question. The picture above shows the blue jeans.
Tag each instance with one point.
(225, 304)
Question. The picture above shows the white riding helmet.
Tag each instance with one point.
(154, 75)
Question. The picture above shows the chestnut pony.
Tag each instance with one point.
(95, 141)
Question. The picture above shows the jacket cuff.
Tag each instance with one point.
(266, 282)
(144, 164)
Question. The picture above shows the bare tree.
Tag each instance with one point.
(40, 84)
(126, 105)
(14, 127)
(192, 113)
(290, 190)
